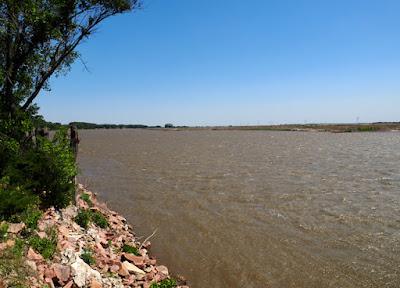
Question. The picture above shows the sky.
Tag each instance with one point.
(220, 62)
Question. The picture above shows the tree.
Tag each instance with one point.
(38, 38)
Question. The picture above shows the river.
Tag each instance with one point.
(256, 208)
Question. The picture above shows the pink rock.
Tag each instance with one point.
(63, 230)
(41, 234)
(137, 260)
(76, 227)
(32, 255)
(49, 273)
(153, 262)
(114, 268)
(62, 272)
(159, 277)
(15, 228)
(82, 204)
(42, 226)
(10, 243)
(69, 284)
(3, 246)
(123, 271)
(95, 284)
(150, 276)
(130, 280)
(49, 281)
(100, 250)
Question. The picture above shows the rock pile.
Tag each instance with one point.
(108, 266)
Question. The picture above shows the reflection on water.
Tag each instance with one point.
(257, 208)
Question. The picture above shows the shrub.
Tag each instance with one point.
(83, 218)
(45, 246)
(14, 200)
(87, 257)
(86, 197)
(47, 169)
(130, 249)
(166, 283)
(99, 219)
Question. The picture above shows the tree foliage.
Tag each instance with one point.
(38, 39)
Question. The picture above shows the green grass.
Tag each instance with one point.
(166, 283)
(130, 249)
(86, 197)
(45, 246)
(367, 129)
(99, 219)
(31, 218)
(87, 257)
(85, 216)
(19, 248)
(3, 231)
(12, 265)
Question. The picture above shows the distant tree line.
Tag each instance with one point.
(40, 122)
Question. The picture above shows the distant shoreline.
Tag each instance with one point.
(332, 127)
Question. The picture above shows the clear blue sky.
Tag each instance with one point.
(219, 62)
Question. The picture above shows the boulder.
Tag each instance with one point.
(32, 255)
(82, 273)
(95, 284)
(137, 260)
(69, 284)
(163, 269)
(15, 228)
(62, 272)
(132, 268)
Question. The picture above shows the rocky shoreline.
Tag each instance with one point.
(91, 257)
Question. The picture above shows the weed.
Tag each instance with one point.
(86, 197)
(13, 268)
(18, 248)
(3, 231)
(31, 218)
(87, 257)
(45, 246)
(130, 249)
(99, 219)
(83, 218)
(166, 283)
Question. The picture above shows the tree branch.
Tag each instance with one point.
(53, 66)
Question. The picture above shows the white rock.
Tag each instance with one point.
(112, 283)
(82, 273)
(132, 268)
(31, 264)
(94, 234)
(68, 257)
(163, 269)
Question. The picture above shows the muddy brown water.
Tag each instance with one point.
(256, 208)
